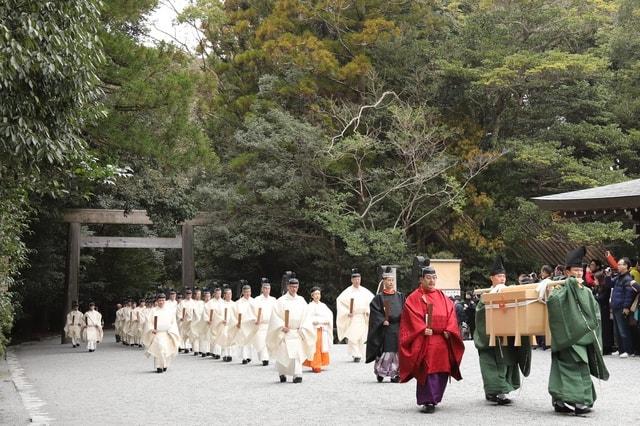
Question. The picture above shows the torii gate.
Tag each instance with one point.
(76, 217)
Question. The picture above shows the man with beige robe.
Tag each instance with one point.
(161, 336)
(171, 302)
(225, 321)
(118, 322)
(126, 316)
(246, 325)
(131, 324)
(185, 316)
(73, 325)
(216, 349)
(149, 305)
(262, 307)
(139, 316)
(352, 318)
(92, 327)
(291, 337)
(198, 313)
(201, 324)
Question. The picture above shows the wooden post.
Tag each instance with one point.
(517, 340)
(188, 266)
(72, 270)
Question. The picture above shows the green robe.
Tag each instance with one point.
(500, 365)
(576, 345)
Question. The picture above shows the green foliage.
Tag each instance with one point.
(6, 320)
(382, 246)
(151, 96)
(322, 137)
(496, 101)
(596, 232)
(49, 53)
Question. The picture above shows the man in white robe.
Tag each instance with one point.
(216, 301)
(352, 318)
(185, 316)
(126, 316)
(161, 336)
(225, 325)
(291, 337)
(131, 325)
(73, 325)
(149, 305)
(198, 312)
(139, 316)
(262, 307)
(92, 329)
(118, 323)
(172, 303)
(201, 324)
(246, 325)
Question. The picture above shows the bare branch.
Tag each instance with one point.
(355, 121)
(173, 37)
(457, 194)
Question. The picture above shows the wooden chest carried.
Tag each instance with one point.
(515, 311)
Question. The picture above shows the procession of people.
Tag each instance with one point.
(405, 337)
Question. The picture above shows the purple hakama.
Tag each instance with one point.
(433, 390)
(387, 365)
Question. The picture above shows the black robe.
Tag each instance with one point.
(602, 293)
(381, 338)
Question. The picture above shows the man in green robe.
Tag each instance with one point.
(501, 364)
(576, 344)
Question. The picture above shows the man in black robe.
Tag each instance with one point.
(384, 324)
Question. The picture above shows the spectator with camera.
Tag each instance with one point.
(589, 272)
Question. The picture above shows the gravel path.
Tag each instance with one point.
(116, 385)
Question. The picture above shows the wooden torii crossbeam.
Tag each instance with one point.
(77, 217)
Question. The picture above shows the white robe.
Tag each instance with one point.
(185, 313)
(92, 331)
(247, 327)
(216, 349)
(355, 328)
(291, 349)
(200, 327)
(163, 345)
(73, 326)
(143, 315)
(119, 324)
(198, 317)
(321, 315)
(263, 306)
(136, 325)
(225, 333)
(126, 324)
(172, 305)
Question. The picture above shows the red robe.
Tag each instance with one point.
(422, 355)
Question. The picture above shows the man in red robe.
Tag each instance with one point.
(430, 344)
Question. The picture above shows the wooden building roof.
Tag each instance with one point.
(623, 196)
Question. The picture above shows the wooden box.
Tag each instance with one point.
(515, 311)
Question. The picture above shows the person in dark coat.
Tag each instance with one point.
(384, 322)
(459, 312)
(602, 294)
(470, 314)
(622, 295)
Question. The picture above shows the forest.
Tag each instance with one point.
(320, 135)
